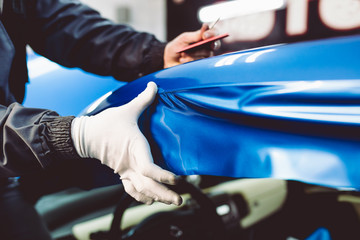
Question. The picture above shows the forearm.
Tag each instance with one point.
(33, 139)
(75, 35)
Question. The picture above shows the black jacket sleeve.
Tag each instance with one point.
(74, 35)
(33, 139)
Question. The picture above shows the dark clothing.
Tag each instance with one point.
(70, 34)
(73, 35)
(18, 217)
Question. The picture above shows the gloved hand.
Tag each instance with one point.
(114, 138)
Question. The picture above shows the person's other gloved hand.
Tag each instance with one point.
(114, 138)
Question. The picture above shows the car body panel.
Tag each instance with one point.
(65, 90)
(288, 111)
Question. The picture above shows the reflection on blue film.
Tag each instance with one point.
(288, 111)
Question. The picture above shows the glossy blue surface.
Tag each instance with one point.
(287, 111)
(320, 234)
(67, 91)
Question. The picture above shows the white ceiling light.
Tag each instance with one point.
(237, 8)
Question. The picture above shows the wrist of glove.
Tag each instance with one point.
(113, 137)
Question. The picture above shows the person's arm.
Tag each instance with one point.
(33, 139)
(74, 35)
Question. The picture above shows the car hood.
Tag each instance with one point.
(286, 111)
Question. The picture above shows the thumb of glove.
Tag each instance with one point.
(143, 100)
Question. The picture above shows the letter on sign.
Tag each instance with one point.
(340, 15)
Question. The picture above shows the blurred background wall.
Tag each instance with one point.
(143, 15)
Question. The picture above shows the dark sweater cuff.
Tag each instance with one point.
(59, 138)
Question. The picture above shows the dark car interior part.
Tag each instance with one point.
(306, 209)
(181, 224)
(216, 214)
(62, 208)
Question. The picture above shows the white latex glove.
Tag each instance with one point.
(113, 137)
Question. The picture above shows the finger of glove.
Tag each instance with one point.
(155, 190)
(144, 99)
(131, 190)
(158, 174)
(143, 158)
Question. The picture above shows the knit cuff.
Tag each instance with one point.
(59, 137)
